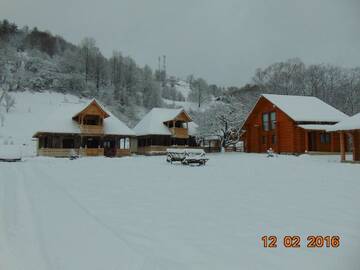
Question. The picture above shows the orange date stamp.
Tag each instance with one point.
(294, 241)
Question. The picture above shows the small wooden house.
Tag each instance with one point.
(83, 129)
(291, 124)
(210, 143)
(349, 128)
(162, 128)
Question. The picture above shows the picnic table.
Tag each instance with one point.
(186, 156)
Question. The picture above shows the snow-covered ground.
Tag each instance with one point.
(142, 213)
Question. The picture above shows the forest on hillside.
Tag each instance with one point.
(35, 60)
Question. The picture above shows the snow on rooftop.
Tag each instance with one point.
(61, 120)
(315, 127)
(153, 122)
(350, 123)
(306, 108)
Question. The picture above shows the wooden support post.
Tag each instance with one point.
(306, 141)
(342, 146)
(278, 137)
(356, 145)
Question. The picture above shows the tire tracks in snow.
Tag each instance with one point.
(20, 228)
(8, 205)
(148, 261)
(30, 225)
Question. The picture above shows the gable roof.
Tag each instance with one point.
(60, 121)
(351, 123)
(91, 103)
(153, 122)
(306, 108)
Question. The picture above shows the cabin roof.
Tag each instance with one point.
(315, 127)
(306, 108)
(61, 121)
(351, 123)
(90, 103)
(153, 122)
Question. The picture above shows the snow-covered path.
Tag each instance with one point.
(142, 213)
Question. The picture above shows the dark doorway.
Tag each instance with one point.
(91, 142)
(312, 141)
(109, 147)
(68, 143)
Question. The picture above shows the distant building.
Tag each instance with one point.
(291, 124)
(162, 128)
(349, 128)
(87, 130)
(210, 143)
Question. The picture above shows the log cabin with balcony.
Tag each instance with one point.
(162, 128)
(85, 130)
(291, 124)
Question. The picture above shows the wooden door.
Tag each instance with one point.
(109, 148)
(312, 141)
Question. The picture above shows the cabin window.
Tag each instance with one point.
(325, 138)
(178, 124)
(92, 120)
(68, 143)
(124, 143)
(272, 120)
(265, 121)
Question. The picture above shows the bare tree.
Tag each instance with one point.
(9, 102)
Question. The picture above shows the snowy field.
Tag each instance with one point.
(142, 213)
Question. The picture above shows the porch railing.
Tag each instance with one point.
(91, 129)
(181, 133)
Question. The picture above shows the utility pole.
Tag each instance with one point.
(159, 67)
(164, 69)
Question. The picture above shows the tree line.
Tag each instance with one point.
(37, 60)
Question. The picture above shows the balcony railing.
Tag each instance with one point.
(181, 133)
(91, 129)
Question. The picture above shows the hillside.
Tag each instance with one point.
(31, 111)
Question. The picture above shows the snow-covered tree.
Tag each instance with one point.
(222, 119)
(8, 102)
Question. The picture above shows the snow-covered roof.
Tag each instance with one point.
(315, 127)
(153, 122)
(306, 108)
(351, 123)
(60, 121)
(95, 102)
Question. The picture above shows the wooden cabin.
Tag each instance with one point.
(163, 128)
(291, 124)
(85, 130)
(349, 131)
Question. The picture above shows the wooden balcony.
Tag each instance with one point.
(91, 129)
(180, 133)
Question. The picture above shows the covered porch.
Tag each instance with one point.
(157, 144)
(65, 145)
(318, 141)
(352, 137)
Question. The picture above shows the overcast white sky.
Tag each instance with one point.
(223, 41)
